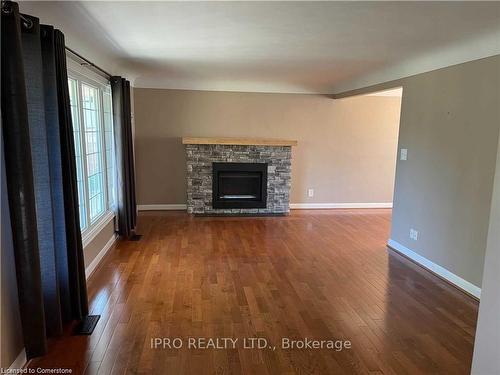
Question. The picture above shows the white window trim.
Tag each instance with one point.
(77, 68)
(84, 75)
(97, 226)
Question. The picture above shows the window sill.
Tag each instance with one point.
(96, 228)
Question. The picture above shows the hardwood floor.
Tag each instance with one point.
(316, 274)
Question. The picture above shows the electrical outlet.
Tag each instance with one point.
(404, 154)
(310, 193)
(414, 234)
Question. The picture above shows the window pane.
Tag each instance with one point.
(110, 149)
(93, 151)
(91, 110)
(75, 117)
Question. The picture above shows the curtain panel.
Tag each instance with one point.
(122, 122)
(41, 178)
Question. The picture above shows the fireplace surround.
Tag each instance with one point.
(238, 177)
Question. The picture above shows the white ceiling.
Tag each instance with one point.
(308, 47)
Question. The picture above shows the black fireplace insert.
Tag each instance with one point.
(239, 185)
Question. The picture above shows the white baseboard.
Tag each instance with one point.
(20, 362)
(161, 207)
(315, 206)
(435, 268)
(293, 206)
(93, 265)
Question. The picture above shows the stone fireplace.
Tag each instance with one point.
(238, 176)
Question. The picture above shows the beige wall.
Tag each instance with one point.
(346, 151)
(450, 125)
(486, 359)
(94, 247)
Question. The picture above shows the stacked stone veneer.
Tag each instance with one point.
(199, 176)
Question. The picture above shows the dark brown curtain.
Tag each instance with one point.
(18, 167)
(41, 178)
(75, 286)
(122, 122)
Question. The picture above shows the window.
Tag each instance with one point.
(91, 111)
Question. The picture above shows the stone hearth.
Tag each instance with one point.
(199, 176)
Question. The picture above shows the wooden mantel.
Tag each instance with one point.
(238, 141)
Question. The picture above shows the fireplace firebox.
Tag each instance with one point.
(239, 185)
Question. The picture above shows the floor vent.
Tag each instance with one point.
(87, 325)
(135, 237)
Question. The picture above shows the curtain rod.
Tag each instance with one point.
(28, 23)
(88, 62)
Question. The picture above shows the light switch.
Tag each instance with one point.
(310, 193)
(404, 154)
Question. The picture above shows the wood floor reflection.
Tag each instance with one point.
(315, 274)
